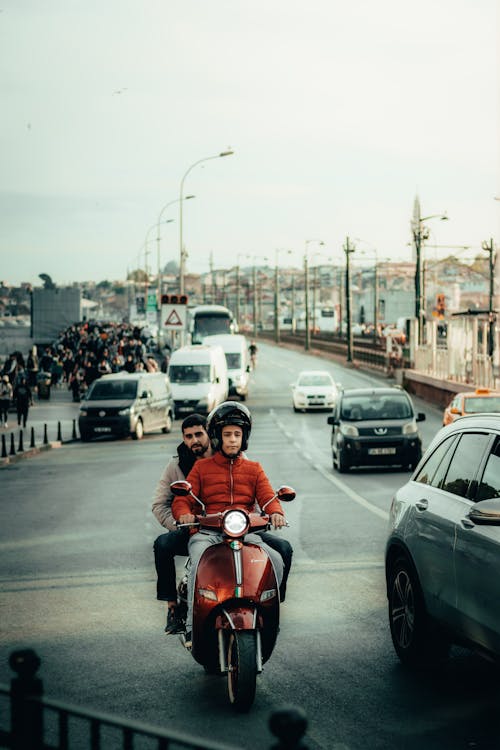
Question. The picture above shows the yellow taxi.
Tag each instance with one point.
(472, 402)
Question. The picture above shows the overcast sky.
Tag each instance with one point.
(338, 113)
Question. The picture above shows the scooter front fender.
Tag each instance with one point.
(236, 618)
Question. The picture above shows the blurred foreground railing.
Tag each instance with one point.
(40, 724)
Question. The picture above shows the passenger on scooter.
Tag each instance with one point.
(195, 445)
(225, 479)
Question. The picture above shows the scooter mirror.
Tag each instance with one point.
(286, 494)
(181, 487)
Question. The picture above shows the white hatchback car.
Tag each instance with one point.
(314, 389)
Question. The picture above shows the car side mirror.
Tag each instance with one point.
(332, 420)
(420, 417)
(486, 512)
(248, 368)
(144, 394)
(454, 410)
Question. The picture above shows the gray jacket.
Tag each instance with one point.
(162, 500)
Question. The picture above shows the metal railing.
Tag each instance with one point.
(40, 724)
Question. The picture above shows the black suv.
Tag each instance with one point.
(375, 426)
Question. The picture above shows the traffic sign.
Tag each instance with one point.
(173, 317)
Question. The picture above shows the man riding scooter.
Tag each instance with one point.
(224, 480)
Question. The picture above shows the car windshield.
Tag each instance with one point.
(112, 390)
(189, 373)
(376, 407)
(233, 360)
(314, 379)
(475, 405)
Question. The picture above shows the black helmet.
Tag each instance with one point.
(229, 412)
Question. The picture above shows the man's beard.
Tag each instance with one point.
(200, 450)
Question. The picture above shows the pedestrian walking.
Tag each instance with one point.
(23, 399)
(5, 399)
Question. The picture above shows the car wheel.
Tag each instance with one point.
(168, 424)
(415, 641)
(138, 433)
(296, 410)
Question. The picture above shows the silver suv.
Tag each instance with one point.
(443, 549)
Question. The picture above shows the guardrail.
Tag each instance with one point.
(40, 724)
(365, 350)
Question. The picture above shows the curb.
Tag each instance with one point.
(54, 444)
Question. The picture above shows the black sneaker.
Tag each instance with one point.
(174, 623)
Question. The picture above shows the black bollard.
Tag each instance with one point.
(21, 445)
(26, 691)
(32, 442)
(12, 451)
(59, 434)
(73, 436)
(289, 725)
(45, 438)
(4, 447)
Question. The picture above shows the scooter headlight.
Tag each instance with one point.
(235, 523)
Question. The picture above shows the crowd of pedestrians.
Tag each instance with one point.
(82, 353)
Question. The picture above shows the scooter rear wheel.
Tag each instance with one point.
(242, 669)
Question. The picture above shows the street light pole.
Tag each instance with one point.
(158, 238)
(277, 294)
(420, 234)
(348, 249)
(182, 254)
(489, 247)
(307, 345)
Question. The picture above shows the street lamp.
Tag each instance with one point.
(277, 293)
(348, 249)
(420, 234)
(306, 291)
(375, 284)
(254, 284)
(158, 238)
(182, 254)
(489, 247)
(238, 256)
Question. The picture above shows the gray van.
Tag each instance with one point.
(125, 404)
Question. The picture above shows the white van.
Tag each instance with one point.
(238, 361)
(198, 374)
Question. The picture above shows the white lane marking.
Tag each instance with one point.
(352, 494)
(330, 477)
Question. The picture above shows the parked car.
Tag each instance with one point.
(472, 402)
(375, 426)
(126, 404)
(443, 547)
(314, 389)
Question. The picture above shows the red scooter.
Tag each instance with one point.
(236, 598)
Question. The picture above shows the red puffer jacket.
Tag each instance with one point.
(220, 482)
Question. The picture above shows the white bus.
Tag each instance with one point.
(209, 320)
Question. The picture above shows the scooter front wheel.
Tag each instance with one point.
(242, 668)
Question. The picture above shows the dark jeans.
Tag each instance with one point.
(281, 545)
(166, 546)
